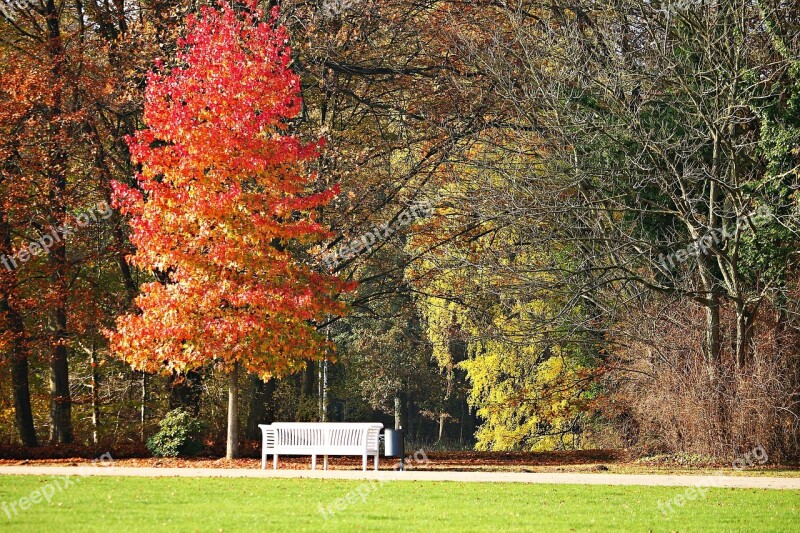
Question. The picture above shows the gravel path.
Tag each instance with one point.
(497, 477)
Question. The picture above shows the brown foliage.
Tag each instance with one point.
(663, 399)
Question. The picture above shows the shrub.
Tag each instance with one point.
(179, 435)
(664, 402)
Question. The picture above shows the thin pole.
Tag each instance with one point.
(324, 381)
(143, 413)
(325, 391)
(319, 394)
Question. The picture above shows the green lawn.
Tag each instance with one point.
(196, 504)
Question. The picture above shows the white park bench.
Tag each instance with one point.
(320, 438)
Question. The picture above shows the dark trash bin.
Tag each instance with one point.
(393, 445)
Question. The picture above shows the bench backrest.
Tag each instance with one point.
(318, 435)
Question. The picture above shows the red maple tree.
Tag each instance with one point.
(224, 209)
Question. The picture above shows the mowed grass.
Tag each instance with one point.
(288, 505)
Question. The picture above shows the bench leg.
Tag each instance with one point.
(376, 462)
(325, 461)
(275, 461)
(364, 463)
(313, 462)
(263, 461)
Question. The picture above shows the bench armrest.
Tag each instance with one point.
(268, 436)
(372, 441)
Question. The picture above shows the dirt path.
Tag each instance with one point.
(497, 477)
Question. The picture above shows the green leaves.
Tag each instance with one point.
(179, 435)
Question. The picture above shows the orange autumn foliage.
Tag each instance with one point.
(224, 208)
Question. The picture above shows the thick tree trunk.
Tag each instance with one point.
(19, 348)
(60, 400)
(22, 402)
(309, 380)
(232, 448)
(262, 409)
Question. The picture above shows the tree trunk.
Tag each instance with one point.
(324, 413)
(744, 326)
(409, 427)
(19, 349)
(398, 412)
(462, 424)
(95, 397)
(185, 392)
(116, 222)
(779, 343)
(143, 412)
(309, 380)
(22, 402)
(60, 400)
(262, 408)
(233, 414)
(712, 345)
(472, 423)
